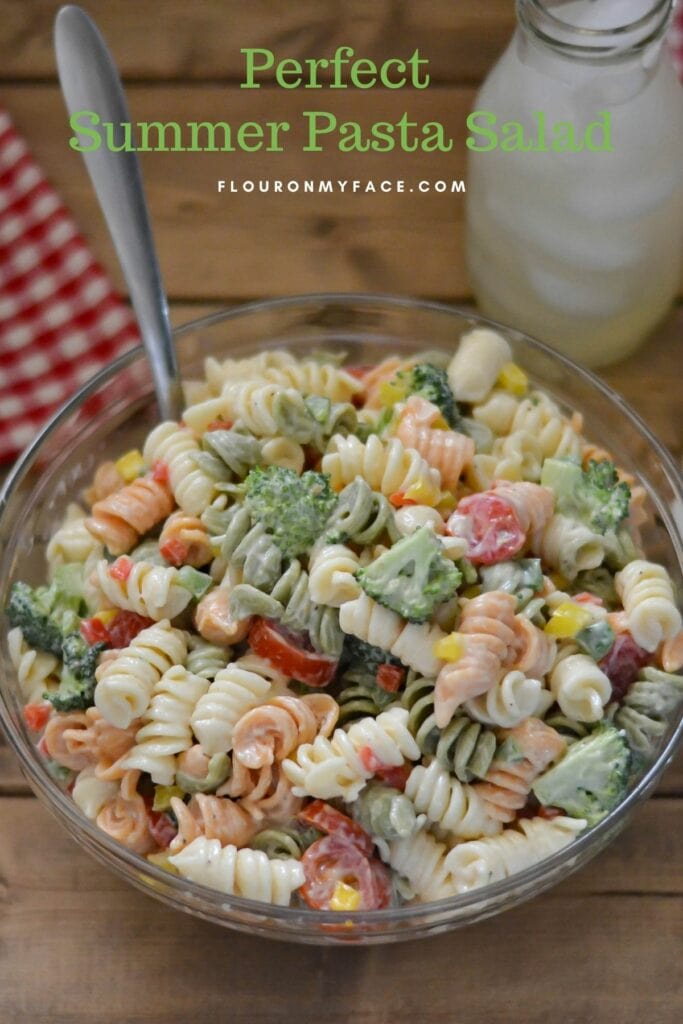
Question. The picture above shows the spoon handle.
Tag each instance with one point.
(90, 81)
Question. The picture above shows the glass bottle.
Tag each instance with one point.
(583, 250)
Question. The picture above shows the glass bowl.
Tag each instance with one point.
(115, 411)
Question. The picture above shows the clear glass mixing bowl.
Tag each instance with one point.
(115, 411)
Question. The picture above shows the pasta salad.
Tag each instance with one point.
(352, 637)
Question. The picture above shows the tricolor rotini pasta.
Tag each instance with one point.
(347, 638)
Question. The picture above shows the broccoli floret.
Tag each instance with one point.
(412, 577)
(595, 494)
(430, 382)
(591, 778)
(292, 508)
(77, 681)
(523, 578)
(30, 608)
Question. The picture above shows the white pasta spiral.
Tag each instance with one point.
(235, 690)
(647, 594)
(192, 487)
(35, 669)
(126, 682)
(580, 687)
(247, 873)
(421, 860)
(333, 767)
(409, 642)
(331, 579)
(91, 793)
(72, 542)
(149, 590)
(483, 861)
(166, 725)
(512, 699)
(453, 805)
(386, 465)
(571, 546)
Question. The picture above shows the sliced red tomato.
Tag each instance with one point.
(622, 664)
(396, 775)
(125, 627)
(161, 828)
(331, 860)
(121, 568)
(328, 819)
(288, 655)
(36, 715)
(160, 471)
(390, 677)
(94, 632)
(174, 551)
(490, 525)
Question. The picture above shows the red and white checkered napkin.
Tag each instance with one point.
(60, 318)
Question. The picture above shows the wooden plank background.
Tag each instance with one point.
(77, 945)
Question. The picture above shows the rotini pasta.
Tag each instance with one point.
(119, 520)
(235, 690)
(175, 446)
(149, 590)
(410, 643)
(483, 861)
(125, 684)
(648, 598)
(35, 669)
(387, 466)
(456, 807)
(247, 873)
(580, 688)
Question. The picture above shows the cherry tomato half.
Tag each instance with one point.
(284, 653)
(328, 819)
(490, 525)
(330, 861)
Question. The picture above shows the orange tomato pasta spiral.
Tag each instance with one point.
(509, 779)
(121, 518)
(488, 623)
(125, 817)
(184, 540)
(215, 817)
(271, 731)
(445, 450)
(537, 650)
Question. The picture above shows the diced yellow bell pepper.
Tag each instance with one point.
(106, 616)
(161, 860)
(439, 424)
(513, 378)
(345, 897)
(567, 620)
(449, 648)
(130, 465)
(391, 392)
(423, 493)
(162, 797)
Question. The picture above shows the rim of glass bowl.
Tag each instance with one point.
(223, 904)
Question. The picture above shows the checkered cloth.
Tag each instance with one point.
(60, 318)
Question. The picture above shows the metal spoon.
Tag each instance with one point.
(90, 81)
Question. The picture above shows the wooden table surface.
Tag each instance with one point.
(77, 945)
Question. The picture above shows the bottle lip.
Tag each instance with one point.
(594, 45)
